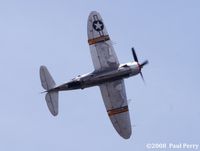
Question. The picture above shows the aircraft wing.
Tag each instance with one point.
(114, 97)
(101, 49)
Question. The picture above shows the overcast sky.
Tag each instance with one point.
(54, 33)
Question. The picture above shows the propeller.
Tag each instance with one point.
(140, 64)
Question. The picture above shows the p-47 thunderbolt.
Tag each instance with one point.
(108, 74)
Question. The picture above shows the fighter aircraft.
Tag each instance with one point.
(108, 74)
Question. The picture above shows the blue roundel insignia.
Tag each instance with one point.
(98, 25)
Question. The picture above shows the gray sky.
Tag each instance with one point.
(54, 33)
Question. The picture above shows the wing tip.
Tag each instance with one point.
(93, 12)
(126, 135)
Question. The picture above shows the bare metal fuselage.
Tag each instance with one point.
(98, 78)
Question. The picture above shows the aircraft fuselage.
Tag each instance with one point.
(98, 78)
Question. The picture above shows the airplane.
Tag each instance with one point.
(108, 74)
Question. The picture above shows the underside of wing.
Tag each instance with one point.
(102, 51)
(115, 100)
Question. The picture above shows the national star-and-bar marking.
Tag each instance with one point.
(98, 25)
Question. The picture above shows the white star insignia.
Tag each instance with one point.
(98, 25)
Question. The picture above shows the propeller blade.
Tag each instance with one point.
(140, 65)
(134, 55)
(142, 77)
(144, 63)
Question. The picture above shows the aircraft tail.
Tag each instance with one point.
(46, 78)
(52, 95)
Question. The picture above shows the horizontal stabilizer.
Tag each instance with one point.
(52, 102)
(46, 79)
(52, 95)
